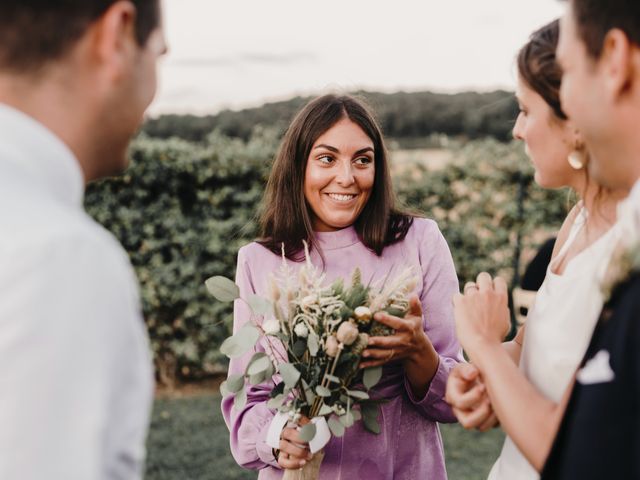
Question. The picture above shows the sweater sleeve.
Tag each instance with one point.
(248, 426)
(439, 284)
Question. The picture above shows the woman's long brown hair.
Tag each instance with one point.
(286, 218)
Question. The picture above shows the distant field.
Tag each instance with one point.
(189, 441)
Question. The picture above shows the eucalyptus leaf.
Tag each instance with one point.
(332, 378)
(370, 414)
(313, 343)
(260, 305)
(257, 378)
(241, 342)
(247, 336)
(336, 427)
(269, 371)
(240, 399)
(258, 364)
(371, 424)
(347, 419)
(358, 394)
(323, 391)
(325, 410)
(308, 392)
(222, 289)
(276, 402)
(289, 374)
(231, 348)
(307, 432)
(224, 389)
(235, 383)
(371, 377)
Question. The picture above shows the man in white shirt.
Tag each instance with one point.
(76, 380)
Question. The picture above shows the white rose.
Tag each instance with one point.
(271, 327)
(301, 330)
(347, 333)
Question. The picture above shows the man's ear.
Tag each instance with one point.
(113, 38)
(618, 64)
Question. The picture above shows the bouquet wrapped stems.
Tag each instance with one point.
(310, 471)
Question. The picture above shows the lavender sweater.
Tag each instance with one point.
(409, 446)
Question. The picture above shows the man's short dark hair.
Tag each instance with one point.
(35, 32)
(595, 18)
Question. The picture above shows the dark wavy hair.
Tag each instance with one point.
(538, 67)
(286, 217)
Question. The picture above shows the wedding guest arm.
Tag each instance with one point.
(530, 419)
(466, 391)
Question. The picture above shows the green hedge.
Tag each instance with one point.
(182, 210)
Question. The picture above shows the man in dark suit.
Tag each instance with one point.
(599, 51)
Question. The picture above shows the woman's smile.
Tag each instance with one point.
(342, 198)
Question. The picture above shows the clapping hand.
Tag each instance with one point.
(482, 313)
(468, 398)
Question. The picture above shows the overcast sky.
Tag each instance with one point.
(239, 53)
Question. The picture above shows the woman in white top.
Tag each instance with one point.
(525, 382)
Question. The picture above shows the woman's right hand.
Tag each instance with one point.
(468, 398)
(294, 453)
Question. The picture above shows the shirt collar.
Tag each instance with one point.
(337, 239)
(41, 154)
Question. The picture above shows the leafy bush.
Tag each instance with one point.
(182, 210)
(474, 201)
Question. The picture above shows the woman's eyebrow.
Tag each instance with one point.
(365, 150)
(327, 147)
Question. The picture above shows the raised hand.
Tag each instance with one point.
(482, 312)
(468, 398)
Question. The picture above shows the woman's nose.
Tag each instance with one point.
(517, 128)
(345, 176)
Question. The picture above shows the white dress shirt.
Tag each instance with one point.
(76, 381)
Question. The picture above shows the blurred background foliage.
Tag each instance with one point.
(190, 197)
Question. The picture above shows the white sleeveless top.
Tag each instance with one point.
(559, 328)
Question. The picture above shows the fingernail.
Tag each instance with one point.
(303, 462)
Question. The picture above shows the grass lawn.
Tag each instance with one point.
(189, 441)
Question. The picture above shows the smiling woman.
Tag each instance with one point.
(330, 186)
